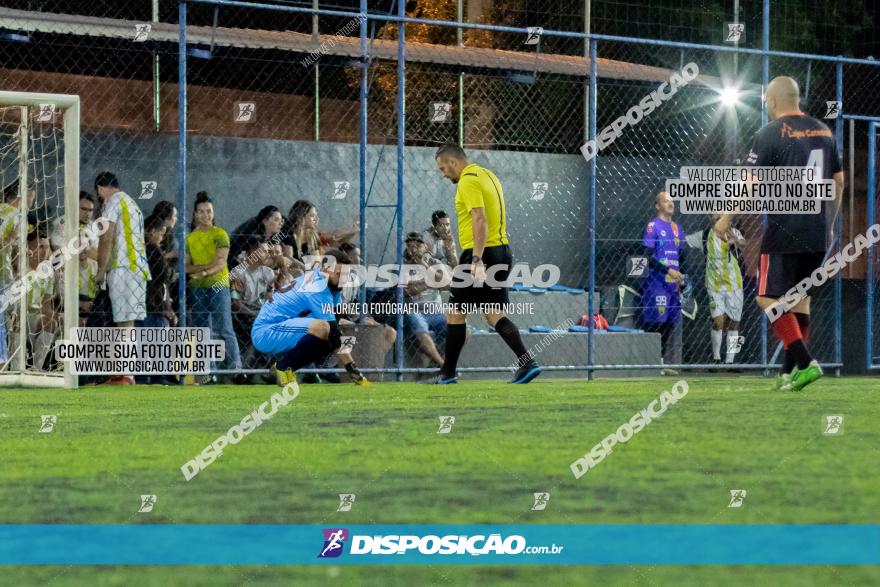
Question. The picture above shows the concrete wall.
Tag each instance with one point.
(242, 175)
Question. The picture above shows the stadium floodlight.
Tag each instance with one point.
(729, 96)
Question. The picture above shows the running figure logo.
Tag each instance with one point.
(142, 32)
(446, 423)
(147, 503)
(45, 113)
(737, 497)
(245, 111)
(334, 540)
(148, 190)
(735, 344)
(735, 32)
(541, 500)
(534, 35)
(440, 111)
(47, 423)
(539, 190)
(832, 109)
(346, 500)
(637, 266)
(833, 425)
(340, 190)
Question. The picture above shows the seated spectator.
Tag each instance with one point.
(285, 270)
(265, 226)
(252, 284)
(439, 240)
(207, 250)
(349, 295)
(159, 310)
(300, 236)
(427, 325)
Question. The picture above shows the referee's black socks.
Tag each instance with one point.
(510, 333)
(455, 337)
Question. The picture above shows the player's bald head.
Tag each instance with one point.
(783, 96)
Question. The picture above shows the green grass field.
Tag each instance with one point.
(112, 444)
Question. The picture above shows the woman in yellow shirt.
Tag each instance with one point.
(207, 248)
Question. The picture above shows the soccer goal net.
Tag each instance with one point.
(39, 219)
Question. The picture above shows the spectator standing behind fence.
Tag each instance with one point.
(724, 284)
(42, 319)
(166, 212)
(87, 206)
(428, 323)
(661, 300)
(207, 249)
(265, 226)
(122, 257)
(159, 310)
(10, 219)
(439, 240)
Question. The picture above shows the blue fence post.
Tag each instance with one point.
(401, 139)
(181, 162)
(869, 271)
(765, 79)
(838, 229)
(362, 157)
(592, 191)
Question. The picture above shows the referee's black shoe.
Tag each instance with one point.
(526, 373)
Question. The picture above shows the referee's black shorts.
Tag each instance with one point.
(779, 272)
(492, 256)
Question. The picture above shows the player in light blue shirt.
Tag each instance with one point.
(298, 325)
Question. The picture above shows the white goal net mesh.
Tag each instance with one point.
(31, 286)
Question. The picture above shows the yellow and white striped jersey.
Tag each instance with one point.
(129, 250)
(722, 266)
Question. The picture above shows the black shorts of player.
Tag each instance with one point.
(779, 272)
(492, 256)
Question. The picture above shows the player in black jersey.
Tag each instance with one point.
(794, 245)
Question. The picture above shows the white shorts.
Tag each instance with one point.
(128, 295)
(729, 303)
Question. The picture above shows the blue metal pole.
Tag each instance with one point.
(869, 272)
(592, 192)
(362, 164)
(838, 229)
(181, 162)
(765, 79)
(401, 140)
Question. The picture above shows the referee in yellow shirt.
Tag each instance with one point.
(482, 233)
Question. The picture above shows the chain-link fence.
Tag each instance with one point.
(276, 139)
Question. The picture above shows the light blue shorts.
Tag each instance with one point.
(280, 337)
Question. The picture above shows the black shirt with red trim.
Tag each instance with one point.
(796, 140)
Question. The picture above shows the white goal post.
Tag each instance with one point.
(33, 110)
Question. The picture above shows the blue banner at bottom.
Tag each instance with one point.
(440, 544)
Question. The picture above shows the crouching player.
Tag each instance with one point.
(298, 327)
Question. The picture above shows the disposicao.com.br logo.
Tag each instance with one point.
(335, 538)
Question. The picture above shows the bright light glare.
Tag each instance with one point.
(729, 96)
